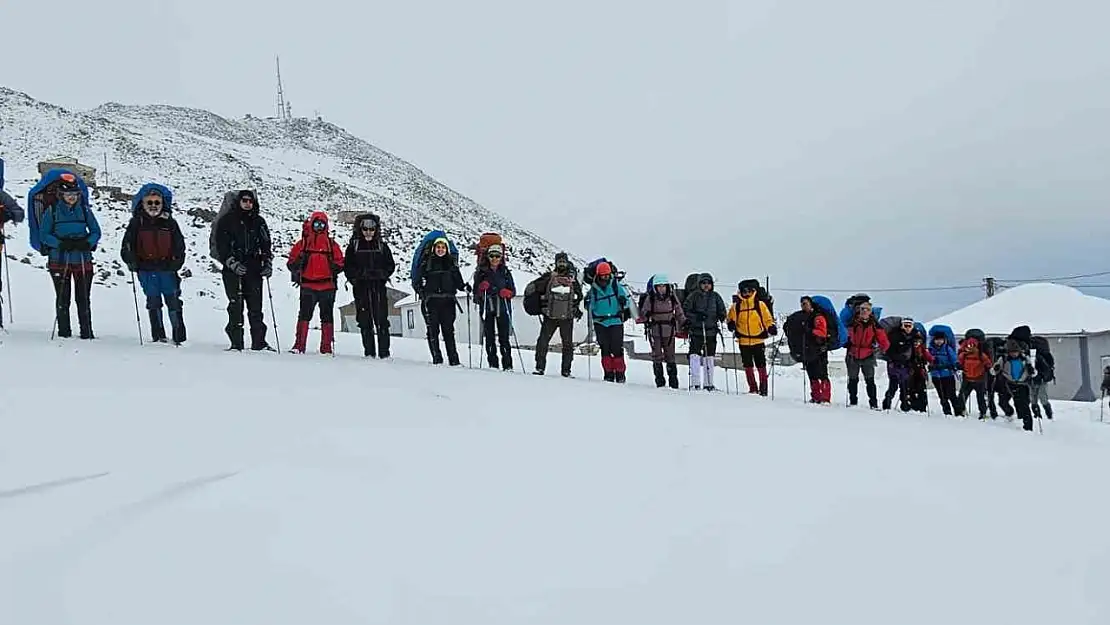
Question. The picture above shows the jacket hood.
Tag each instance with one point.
(705, 277)
(945, 331)
(306, 228)
(147, 189)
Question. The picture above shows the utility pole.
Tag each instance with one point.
(988, 284)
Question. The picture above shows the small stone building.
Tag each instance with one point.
(87, 173)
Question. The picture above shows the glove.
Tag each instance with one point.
(731, 326)
(625, 314)
(577, 314)
(506, 294)
(336, 269)
(466, 287)
(483, 287)
(235, 266)
(267, 270)
(772, 330)
(132, 267)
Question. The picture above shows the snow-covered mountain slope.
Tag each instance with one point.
(192, 485)
(298, 167)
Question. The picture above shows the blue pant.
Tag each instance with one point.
(159, 286)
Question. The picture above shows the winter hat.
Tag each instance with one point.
(907, 320)
(603, 269)
(247, 194)
(705, 277)
(442, 240)
(1012, 346)
(495, 249)
(660, 279)
(562, 256)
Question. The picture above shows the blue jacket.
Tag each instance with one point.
(63, 222)
(945, 361)
(606, 303)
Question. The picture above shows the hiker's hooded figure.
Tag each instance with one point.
(69, 233)
(154, 249)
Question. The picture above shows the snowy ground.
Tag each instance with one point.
(165, 485)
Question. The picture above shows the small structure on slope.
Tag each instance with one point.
(1076, 325)
(87, 173)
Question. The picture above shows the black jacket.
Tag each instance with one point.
(901, 346)
(245, 237)
(440, 278)
(153, 244)
(369, 261)
(704, 310)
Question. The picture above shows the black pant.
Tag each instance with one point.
(310, 299)
(754, 356)
(817, 367)
(566, 337)
(81, 277)
(867, 366)
(998, 386)
(946, 391)
(439, 316)
(372, 314)
(980, 388)
(703, 344)
(238, 289)
(495, 330)
(1020, 393)
(918, 389)
(610, 340)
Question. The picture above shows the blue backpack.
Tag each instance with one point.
(167, 197)
(424, 250)
(43, 196)
(838, 332)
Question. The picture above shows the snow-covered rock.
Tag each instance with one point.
(297, 167)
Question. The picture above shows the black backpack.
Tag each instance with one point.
(533, 294)
(761, 294)
(589, 274)
(794, 328)
(1044, 361)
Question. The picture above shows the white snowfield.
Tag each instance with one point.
(161, 485)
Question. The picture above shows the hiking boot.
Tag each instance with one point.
(538, 371)
(763, 381)
(672, 375)
(710, 388)
(753, 386)
(657, 368)
(1048, 411)
(565, 374)
(886, 404)
(853, 392)
(619, 377)
(301, 340)
(157, 329)
(327, 338)
(610, 376)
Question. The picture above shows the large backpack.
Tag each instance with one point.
(849, 311)
(794, 329)
(167, 197)
(484, 242)
(533, 294)
(43, 196)
(424, 250)
(838, 334)
(1043, 360)
(944, 331)
(230, 201)
(688, 287)
(761, 294)
(589, 274)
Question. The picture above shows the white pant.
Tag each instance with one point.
(697, 363)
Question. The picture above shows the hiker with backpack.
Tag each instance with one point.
(244, 248)
(815, 331)
(1045, 365)
(1017, 371)
(662, 316)
(750, 321)
(314, 263)
(153, 248)
(68, 234)
(607, 301)
(705, 311)
(437, 282)
(494, 290)
(975, 365)
(559, 294)
(368, 266)
(905, 352)
(998, 393)
(945, 363)
(865, 336)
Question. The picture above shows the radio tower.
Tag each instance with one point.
(284, 108)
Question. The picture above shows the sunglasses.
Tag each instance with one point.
(155, 203)
(369, 229)
(246, 200)
(495, 256)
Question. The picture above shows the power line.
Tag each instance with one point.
(1058, 278)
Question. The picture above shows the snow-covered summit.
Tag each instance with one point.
(297, 167)
(1047, 308)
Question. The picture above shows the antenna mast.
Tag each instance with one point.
(284, 108)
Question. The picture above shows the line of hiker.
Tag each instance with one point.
(1009, 373)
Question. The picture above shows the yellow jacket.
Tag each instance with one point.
(751, 324)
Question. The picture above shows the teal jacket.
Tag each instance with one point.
(606, 303)
(70, 233)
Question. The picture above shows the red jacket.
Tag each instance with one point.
(820, 328)
(862, 338)
(316, 259)
(974, 363)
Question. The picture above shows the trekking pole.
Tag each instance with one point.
(273, 315)
(728, 387)
(1101, 406)
(135, 297)
(516, 339)
(469, 340)
(589, 344)
(7, 281)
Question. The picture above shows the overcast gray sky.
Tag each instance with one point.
(833, 145)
